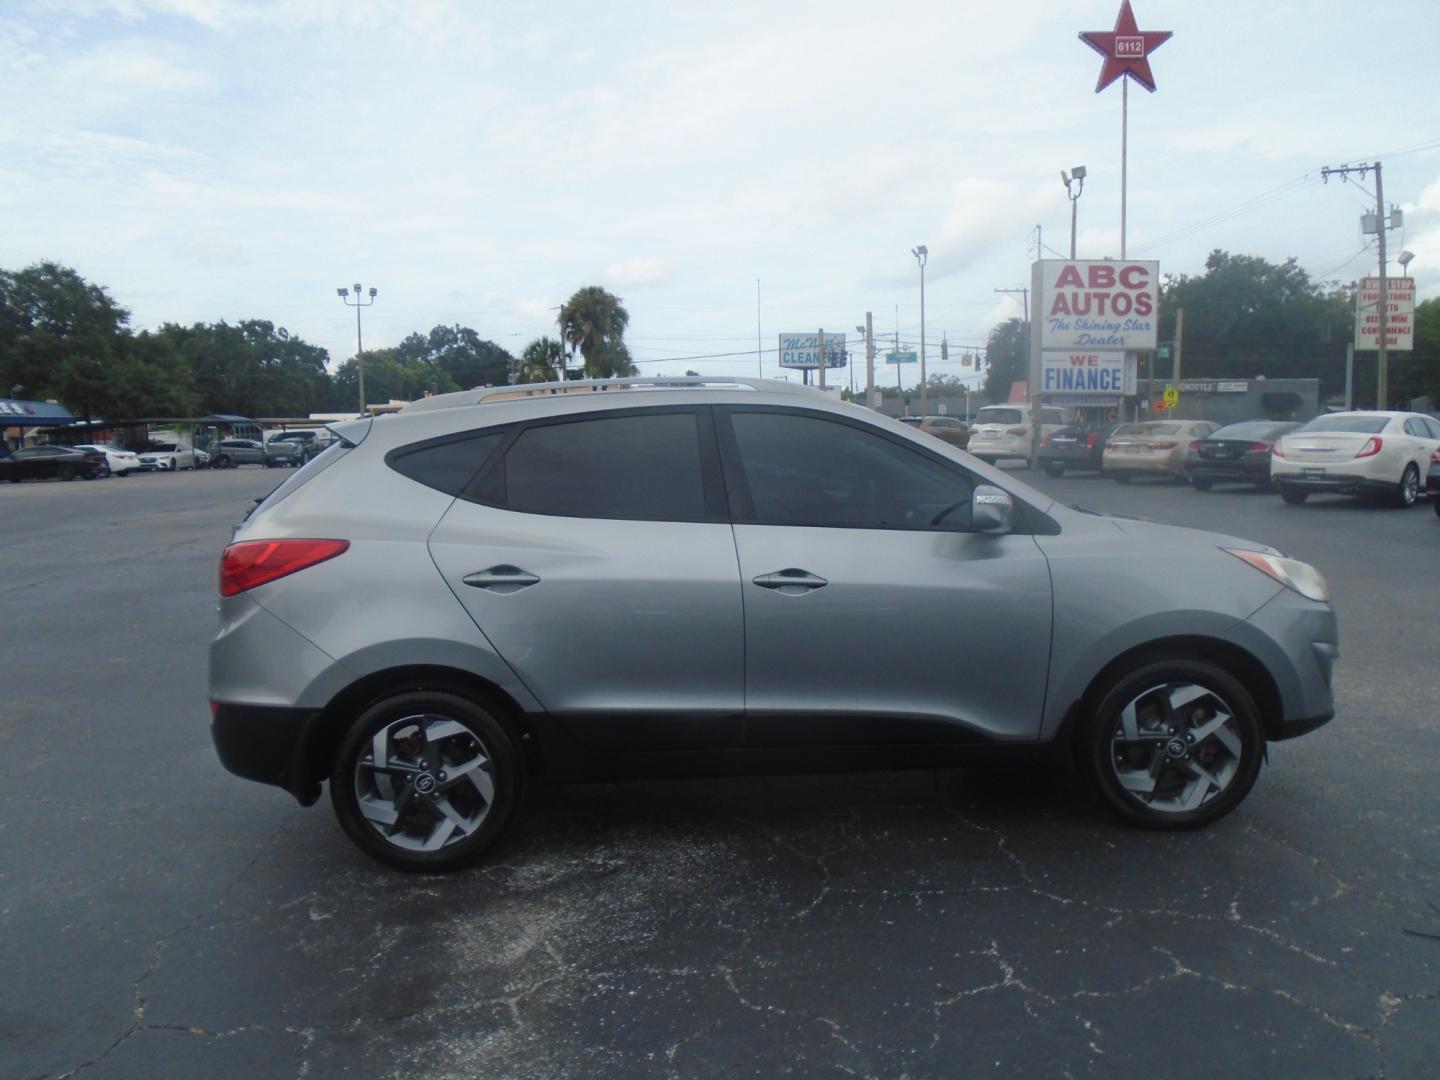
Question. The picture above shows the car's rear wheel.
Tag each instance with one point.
(1054, 468)
(426, 781)
(1408, 490)
(1292, 496)
(1174, 744)
(67, 474)
(1201, 484)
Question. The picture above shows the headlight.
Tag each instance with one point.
(1292, 573)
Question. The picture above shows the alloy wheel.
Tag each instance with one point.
(425, 782)
(1175, 747)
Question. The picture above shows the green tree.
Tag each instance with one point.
(62, 338)
(459, 352)
(594, 322)
(1246, 316)
(1007, 357)
(1425, 361)
(543, 360)
(390, 375)
(253, 368)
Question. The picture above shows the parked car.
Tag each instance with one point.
(230, 453)
(1075, 446)
(284, 453)
(310, 442)
(1235, 454)
(1005, 431)
(1152, 448)
(1376, 453)
(946, 428)
(117, 462)
(167, 456)
(1433, 483)
(645, 579)
(51, 463)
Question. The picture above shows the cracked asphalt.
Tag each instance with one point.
(159, 917)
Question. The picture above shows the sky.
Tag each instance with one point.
(476, 163)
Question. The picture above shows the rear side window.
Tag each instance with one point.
(637, 468)
(448, 466)
(1000, 416)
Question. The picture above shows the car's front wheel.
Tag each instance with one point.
(426, 781)
(1201, 484)
(1408, 490)
(1174, 744)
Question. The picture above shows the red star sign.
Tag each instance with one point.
(1126, 50)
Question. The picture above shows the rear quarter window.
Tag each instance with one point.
(449, 465)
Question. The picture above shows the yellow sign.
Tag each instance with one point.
(1172, 397)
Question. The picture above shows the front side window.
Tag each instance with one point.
(636, 467)
(806, 470)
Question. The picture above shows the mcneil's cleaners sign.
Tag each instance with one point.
(1099, 305)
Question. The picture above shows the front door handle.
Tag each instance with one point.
(501, 579)
(791, 581)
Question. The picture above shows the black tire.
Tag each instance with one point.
(1292, 496)
(1102, 756)
(16, 479)
(67, 474)
(1436, 501)
(483, 733)
(1054, 468)
(222, 462)
(1201, 484)
(1408, 490)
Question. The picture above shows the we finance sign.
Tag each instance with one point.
(1098, 306)
(1077, 372)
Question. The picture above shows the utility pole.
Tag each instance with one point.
(1382, 341)
(1349, 375)
(1025, 293)
(360, 302)
(869, 361)
(921, 253)
(1179, 343)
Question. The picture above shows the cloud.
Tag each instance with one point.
(636, 273)
(122, 69)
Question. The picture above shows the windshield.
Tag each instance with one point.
(1350, 422)
(999, 415)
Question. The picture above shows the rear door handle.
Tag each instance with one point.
(501, 579)
(791, 581)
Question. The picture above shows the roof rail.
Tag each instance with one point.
(575, 386)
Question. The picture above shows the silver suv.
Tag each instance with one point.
(611, 579)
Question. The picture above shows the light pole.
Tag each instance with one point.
(357, 304)
(921, 253)
(1404, 259)
(1077, 176)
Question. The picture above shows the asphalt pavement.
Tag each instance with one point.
(159, 917)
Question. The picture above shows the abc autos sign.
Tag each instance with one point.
(1094, 316)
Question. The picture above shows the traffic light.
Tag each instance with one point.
(944, 349)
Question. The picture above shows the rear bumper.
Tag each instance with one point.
(1221, 471)
(1334, 482)
(266, 743)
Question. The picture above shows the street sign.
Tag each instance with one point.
(1172, 397)
(902, 357)
(876, 399)
(1162, 352)
(941, 408)
(1399, 320)
(801, 350)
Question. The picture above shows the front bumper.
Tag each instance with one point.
(266, 743)
(1300, 653)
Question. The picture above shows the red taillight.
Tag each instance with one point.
(1257, 447)
(254, 562)
(1194, 444)
(1016, 431)
(1275, 451)
(1435, 458)
(1090, 442)
(1045, 440)
(1164, 445)
(1371, 448)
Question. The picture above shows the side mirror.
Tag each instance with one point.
(990, 510)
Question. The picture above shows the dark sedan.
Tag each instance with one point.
(52, 463)
(1235, 454)
(1076, 446)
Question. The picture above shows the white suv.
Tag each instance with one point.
(1004, 431)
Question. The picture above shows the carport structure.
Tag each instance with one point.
(18, 414)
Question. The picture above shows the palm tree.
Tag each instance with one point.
(593, 322)
(542, 361)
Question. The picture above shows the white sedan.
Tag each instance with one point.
(169, 456)
(119, 462)
(1382, 453)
